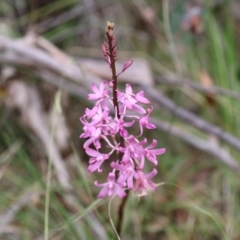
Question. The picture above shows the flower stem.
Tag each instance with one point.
(121, 213)
(112, 48)
(112, 56)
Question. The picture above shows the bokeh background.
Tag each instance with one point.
(186, 59)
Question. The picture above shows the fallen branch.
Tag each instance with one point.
(204, 145)
(210, 90)
(22, 53)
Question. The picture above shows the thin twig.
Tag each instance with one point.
(196, 86)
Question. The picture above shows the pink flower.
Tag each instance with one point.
(96, 159)
(126, 173)
(143, 183)
(100, 127)
(129, 101)
(151, 153)
(99, 94)
(134, 149)
(119, 126)
(98, 124)
(144, 121)
(140, 98)
(110, 188)
(89, 113)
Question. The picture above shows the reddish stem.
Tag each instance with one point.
(112, 48)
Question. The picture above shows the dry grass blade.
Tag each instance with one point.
(10, 152)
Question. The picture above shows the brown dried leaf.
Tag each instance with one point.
(207, 82)
(205, 79)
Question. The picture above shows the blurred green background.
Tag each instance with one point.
(191, 52)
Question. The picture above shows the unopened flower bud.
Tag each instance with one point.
(127, 65)
(109, 28)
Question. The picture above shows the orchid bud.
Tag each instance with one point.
(127, 65)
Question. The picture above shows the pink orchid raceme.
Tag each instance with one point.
(129, 108)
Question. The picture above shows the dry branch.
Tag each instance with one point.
(208, 146)
(21, 53)
(210, 90)
(192, 119)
